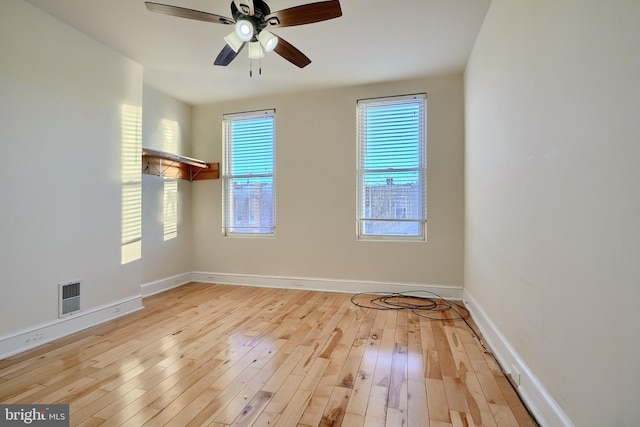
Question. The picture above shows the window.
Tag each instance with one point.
(392, 168)
(248, 173)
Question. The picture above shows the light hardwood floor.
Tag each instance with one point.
(214, 355)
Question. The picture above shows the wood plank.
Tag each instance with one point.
(364, 378)
(338, 345)
(461, 419)
(336, 407)
(445, 357)
(284, 370)
(437, 399)
(456, 398)
(237, 403)
(110, 410)
(294, 409)
(417, 403)
(284, 394)
(140, 418)
(252, 409)
(210, 397)
(478, 406)
(503, 415)
(513, 400)
(491, 390)
(349, 372)
(398, 380)
(353, 420)
(376, 415)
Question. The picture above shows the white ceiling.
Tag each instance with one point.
(373, 41)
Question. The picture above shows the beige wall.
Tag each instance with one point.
(553, 196)
(316, 190)
(166, 126)
(61, 132)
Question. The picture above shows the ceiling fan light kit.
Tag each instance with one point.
(267, 40)
(255, 50)
(250, 17)
(234, 41)
(244, 30)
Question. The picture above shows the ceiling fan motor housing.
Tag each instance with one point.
(260, 9)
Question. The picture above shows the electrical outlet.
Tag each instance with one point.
(515, 375)
(39, 336)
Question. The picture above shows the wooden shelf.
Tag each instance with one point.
(169, 165)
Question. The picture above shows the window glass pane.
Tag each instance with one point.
(393, 137)
(392, 228)
(252, 205)
(384, 191)
(251, 147)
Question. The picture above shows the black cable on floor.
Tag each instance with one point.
(426, 304)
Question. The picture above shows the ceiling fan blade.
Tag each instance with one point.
(187, 13)
(305, 14)
(227, 55)
(245, 6)
(291, 54)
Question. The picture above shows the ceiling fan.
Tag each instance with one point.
(250, 18)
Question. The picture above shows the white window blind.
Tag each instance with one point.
(392, 167)
(248, 173)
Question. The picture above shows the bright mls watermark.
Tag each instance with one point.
(34, 415)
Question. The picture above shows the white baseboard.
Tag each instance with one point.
(41, 334)
(327, 285)
(157, 286)
(545, 409)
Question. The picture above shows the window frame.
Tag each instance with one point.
(362, 218)
(229, 226)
